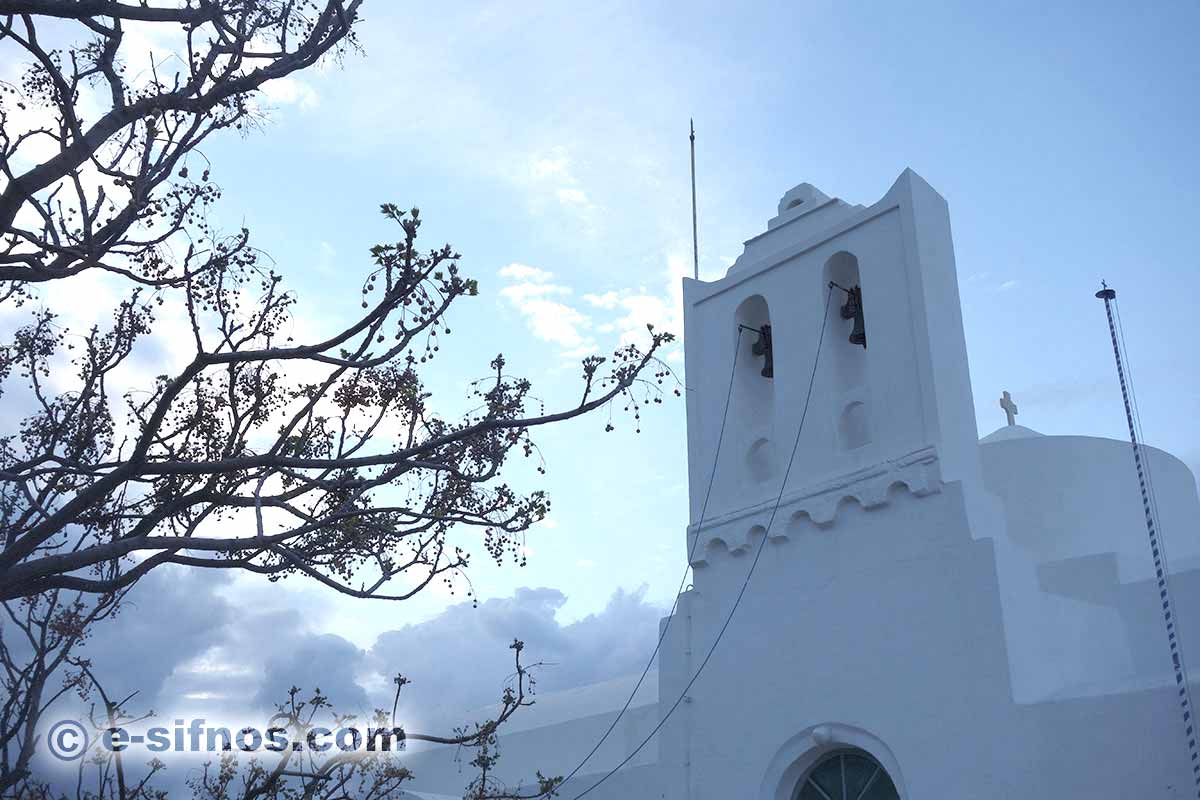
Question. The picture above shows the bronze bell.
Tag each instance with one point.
(762, 347)
(853, 309)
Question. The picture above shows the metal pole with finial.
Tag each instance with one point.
(1109, 297)
(695, 237)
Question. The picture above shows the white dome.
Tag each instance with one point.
(1010, 432)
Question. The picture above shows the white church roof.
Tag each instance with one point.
(1009, 432)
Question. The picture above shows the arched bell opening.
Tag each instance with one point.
(753, 402)
(847, 329)
(757, 352)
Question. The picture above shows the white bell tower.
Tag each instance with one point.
(863, 592)
(898, 410)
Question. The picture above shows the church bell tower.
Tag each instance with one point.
(890, 391)
(844, 607)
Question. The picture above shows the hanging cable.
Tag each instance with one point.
(749, 573)
(687, 567)
(1150, 511)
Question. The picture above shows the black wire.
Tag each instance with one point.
(683, 581)
(757, 554)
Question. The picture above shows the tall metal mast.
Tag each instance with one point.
(695, 238)
(1164, 592)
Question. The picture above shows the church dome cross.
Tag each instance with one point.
(1010, 408)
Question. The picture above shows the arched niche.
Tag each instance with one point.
(849, 361)
(761, 459)
(854, 429)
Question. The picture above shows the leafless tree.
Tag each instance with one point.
(303, 772)
(115, 190)
(340, 475)
(322, 458)
(38, 636)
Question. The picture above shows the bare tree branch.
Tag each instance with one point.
(324, 459)
(143, 145)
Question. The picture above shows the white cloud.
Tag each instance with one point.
(550, 320)
(520, 293)
(573, 197)
(556, 165)
(988, 283)
(551, 317)
(586, 349)
(551, 174)
(555, 322)
(524, 272)
(326, 253)
(607, 301)
(291, 91)
(640, 307)
(640, 311)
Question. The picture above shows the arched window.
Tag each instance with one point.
(847, 775)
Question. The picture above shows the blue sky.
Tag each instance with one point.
(554, 137)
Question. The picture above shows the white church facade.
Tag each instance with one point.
(920, 613)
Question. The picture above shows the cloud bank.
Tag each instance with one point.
(194, 643)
